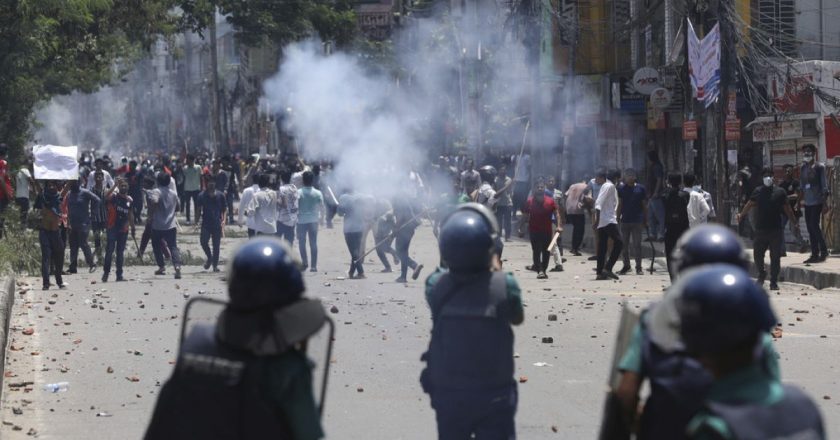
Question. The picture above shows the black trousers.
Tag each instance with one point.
(608, 232)
(671, 236)
(78, 237)
(208, 233)
(578, 222)
(52, 255)
(354, 245)
(539, 250)
(763, 240)
(815, 234)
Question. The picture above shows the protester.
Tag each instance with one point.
(504, 206)
(350, 206)
(80, 203)
(383, 234)
(486, 195)
(605, 222)
(656, 191)
(470, 178)
(6, 192)
(575, 214)
(771, 204)
(311, 205)
(557, 195)
(540, 209)
(406, 220)
(210, 209)
(813, 192)
(791, 187)
(287, 208)
(98, 215)
(192, 184)
(48, 202)
(135, 179)
(676, 216)
(470, 360)
(120, 219)
(632, 219)
(263, 207)
(99, 166)
(593, 190)
(163, 204)
(244, 201)
(698, 209)
(521, 182)
(23, 183)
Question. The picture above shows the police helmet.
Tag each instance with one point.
(721, 308)
(708, 244)
(487, 173)
(468, 238)
(264, 273)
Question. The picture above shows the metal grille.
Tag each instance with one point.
(777, 20)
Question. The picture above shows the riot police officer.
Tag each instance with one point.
(723, 318)
(677, 381)
(248, 375)
(469, 372)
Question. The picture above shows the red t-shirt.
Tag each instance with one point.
(5, 180)
(540, 220)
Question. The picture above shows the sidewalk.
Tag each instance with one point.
(820, 275)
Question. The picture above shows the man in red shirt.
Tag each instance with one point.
(540, 227)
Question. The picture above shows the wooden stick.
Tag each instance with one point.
(553, 241)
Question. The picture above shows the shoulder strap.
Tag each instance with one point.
(449, 293)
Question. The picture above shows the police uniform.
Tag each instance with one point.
(470, 359)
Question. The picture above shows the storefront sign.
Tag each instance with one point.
(660, 98)
(655, 118)
(733, 130)
(690, 130)
(646, 80)
(777, 131)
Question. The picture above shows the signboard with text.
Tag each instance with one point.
(733, 130)
(777, 131)
(689, 130)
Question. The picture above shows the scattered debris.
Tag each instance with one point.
(132, 378)
(542, 364)
(552, 317)
(333, 309)
(104, 414)
(28, 331)
(523, 379)
(548, 340)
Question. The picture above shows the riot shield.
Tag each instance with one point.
(613, 425)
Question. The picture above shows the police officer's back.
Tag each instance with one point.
(470, 369)
(247, 376)
(724, 315)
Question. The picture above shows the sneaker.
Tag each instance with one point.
(576, 253)
(531, 268)
(63, 285)
(542, 276)
(177, 274)
(92, 269)
(304, 267)
(105, 277)
(610, 274)
(774, 286)
(45, 287)
(593, 258)
(70, 272)
(557, 268)
(624, 270)
(207, 265)
(313, 269)
(386, 270)
(161, 271)
(639, 271)
(416, 273)
(822, 258)
(216, 269)
(602, 276)
(119, 279)
(812, 259)
(401, 280)
(360, 276)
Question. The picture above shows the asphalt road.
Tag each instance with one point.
(115, 344)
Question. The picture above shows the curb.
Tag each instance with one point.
(7, 299)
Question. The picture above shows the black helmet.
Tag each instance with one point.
(708, 244)
(721, 307)
(468, 238)
(264, 273)
(487, 173)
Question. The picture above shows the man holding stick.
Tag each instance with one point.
(540, 209)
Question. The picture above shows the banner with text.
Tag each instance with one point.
(704, 64)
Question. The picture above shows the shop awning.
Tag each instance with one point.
(770, 119)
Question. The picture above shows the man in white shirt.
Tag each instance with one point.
(287, 206)
(698, 208)
(263, 208)
(23, 179)
(108, 181)
(606, 224)
(244, 201)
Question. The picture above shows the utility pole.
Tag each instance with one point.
(215, 111)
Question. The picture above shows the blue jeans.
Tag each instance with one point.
(78, 237)
(116, 241)
(489, 414)
(214, 232)
(503, 216)
(815, 234)
(403, 241)
(656, 218)
(286, 232)
(167, 237)
(310, 230)
(52, 252)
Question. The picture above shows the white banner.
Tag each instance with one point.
(53, 162)
(704, 64)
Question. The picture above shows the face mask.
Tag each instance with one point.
(768, 181)
(808, 158)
